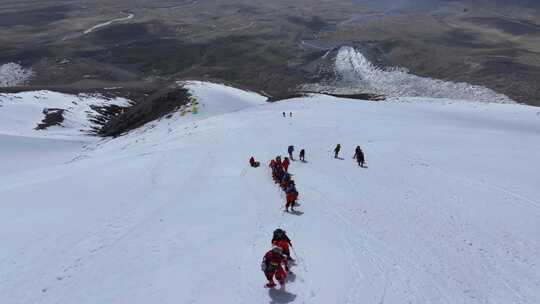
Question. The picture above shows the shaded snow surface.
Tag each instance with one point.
(447, 211)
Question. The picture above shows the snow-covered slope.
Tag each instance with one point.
(21, 113)
(18, 153)
(214, 99)
(447, 211)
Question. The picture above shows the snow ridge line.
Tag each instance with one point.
(302, 275)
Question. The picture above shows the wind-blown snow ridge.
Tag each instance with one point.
(356, 71)
(20, 113)
(219, 98)
(13, 74)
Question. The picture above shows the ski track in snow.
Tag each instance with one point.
(172, 213)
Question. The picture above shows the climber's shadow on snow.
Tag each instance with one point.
(280, 296)
(296, 212)
(291, 277)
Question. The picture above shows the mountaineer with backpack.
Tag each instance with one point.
(302, 155)
(285, 163)
(277, 170)
(272, 265)
(336, 150)
(273, 167)
(359, 155)
(254, 163)
(291, 195)
(278, 161)
(285, 181)
(279, 173)
(281, 240)
(290, 150)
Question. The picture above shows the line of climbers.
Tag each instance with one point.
(301, 155)
(358, 155)
(276, 261)
(285, 115)
(284, 179)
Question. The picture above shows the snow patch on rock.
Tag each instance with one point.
(20, 113)
(207, 101)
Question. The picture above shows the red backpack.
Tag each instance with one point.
(272, 261)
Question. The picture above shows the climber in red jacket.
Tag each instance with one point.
(272, 265)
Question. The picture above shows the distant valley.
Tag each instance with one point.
(271, 47)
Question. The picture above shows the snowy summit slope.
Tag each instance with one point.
(447, 211)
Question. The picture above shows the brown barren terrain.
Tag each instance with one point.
(268, 45)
